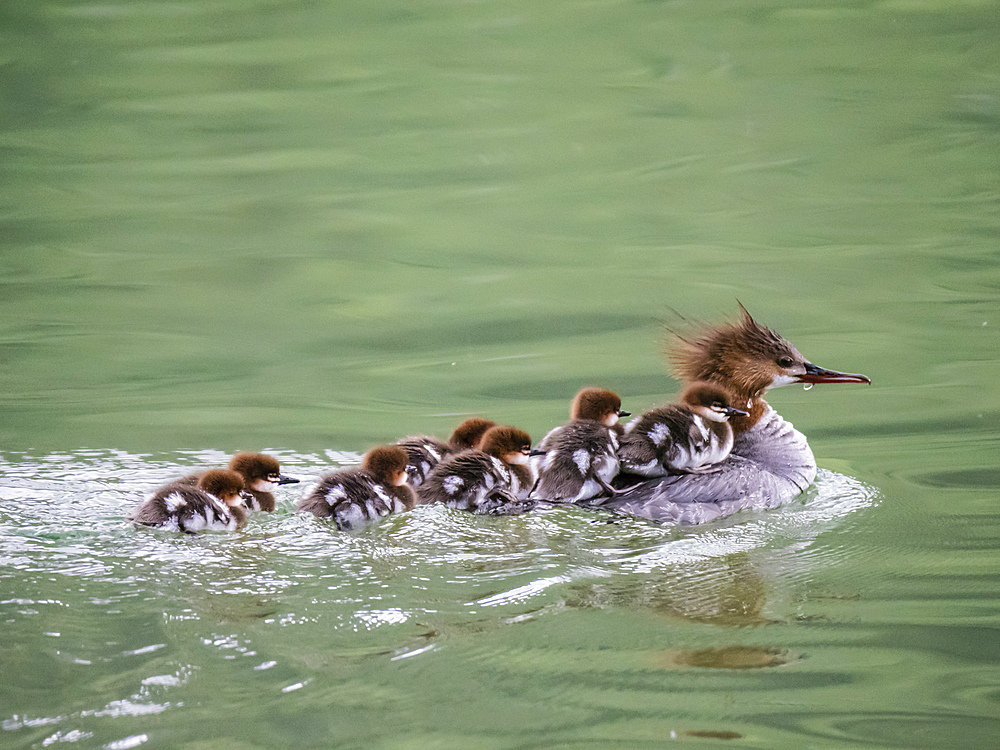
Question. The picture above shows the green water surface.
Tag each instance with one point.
(310, 227)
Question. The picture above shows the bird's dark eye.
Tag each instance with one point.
(785, 362)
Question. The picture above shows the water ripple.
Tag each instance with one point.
(64, 513)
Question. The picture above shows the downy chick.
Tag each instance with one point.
(261, 474)
(685, 438)
(577, 461)
(424, 451)
(215, 502)
(355, 497)
(493, 479)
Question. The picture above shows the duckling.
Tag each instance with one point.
(261, 474)
(493, 479)
(216, 502)
(469, 433)
(581, 456)
(356, 497)
(424, 452)
(690, 437)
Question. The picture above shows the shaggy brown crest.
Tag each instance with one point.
(500, 442)
(254, 466)
(385, 463)
(221, 483)
(742, 355)
(594, 403)
(469, 433)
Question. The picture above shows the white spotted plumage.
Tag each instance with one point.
(579, 463)
(174, 501)
(181, 507)
(700, 424)
(676, 439)
(354, 497)
(659, 434)
(475, 481)
(335, 494)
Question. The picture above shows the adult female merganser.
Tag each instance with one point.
(581, 456)
(261, 474)
(493, 479)
(684, 438)
(214, 503)
(356, 497)
(770, 462)
(424, 452)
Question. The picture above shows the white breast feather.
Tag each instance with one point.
(701, 427)
(718, 449)
(659, 434)
(174, 501)
(606, 466)
(223, 521)
(515, 486)
(477, 499)
(588, 490)
(351, 515)
(335, 494)
(682, 458)
(197, 522)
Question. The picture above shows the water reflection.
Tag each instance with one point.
(297, 605)
(52, 521)
(727, 657)
(729, 591)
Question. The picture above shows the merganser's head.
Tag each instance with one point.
(712, 401)
(597, 404)
(259, 472)
(223, 484)
(387, 464)
(509, 444)
(469, 433)
(748, 359)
